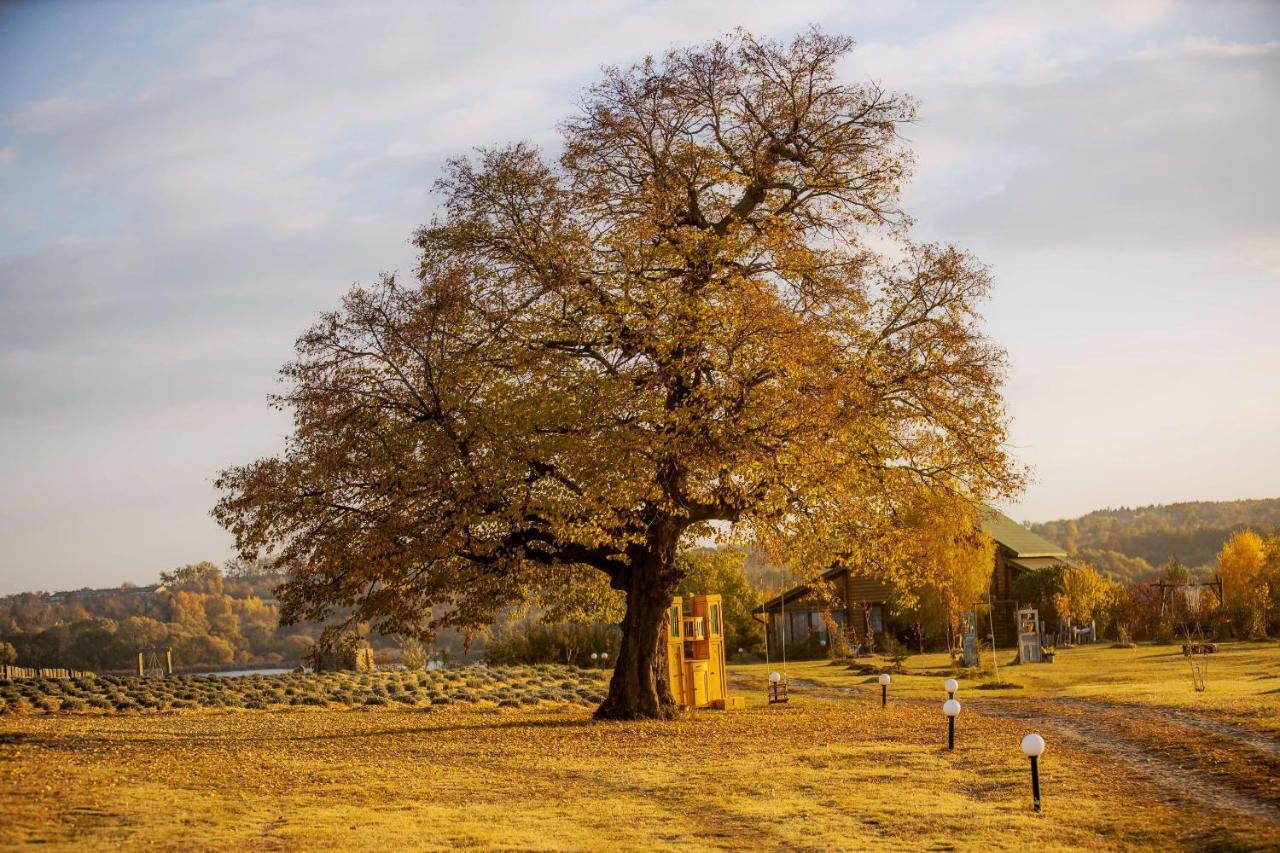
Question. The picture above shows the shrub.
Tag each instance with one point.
(895, 651)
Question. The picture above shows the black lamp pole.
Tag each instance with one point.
(1035, 783)
(884, 695)
(951, 733)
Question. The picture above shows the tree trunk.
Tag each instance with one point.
(640, 688)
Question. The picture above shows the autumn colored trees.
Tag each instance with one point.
(681, 322)
(722, 571)
(1248, 565)
(1249, 568)
(207, 619)
(946, 567)
(1132, 542)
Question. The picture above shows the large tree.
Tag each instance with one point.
(680, 322)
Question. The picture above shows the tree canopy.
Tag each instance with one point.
(949, 560)
(681, 321)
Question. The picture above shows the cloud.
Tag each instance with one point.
(50, 114)
(1165, 148)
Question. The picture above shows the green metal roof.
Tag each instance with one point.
(1016, 538)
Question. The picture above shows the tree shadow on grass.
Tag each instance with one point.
(428, 729)
(74, 742)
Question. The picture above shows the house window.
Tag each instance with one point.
(675, 620)
(715, 620)
(875, 617)
(799, 627)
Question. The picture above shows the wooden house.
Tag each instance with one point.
(863, 602)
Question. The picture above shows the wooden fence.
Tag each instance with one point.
(15, 672)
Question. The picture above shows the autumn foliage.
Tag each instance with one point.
(681, 321)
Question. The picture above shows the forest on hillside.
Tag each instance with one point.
(1132, 543)
(211, 618)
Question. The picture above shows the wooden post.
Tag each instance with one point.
(168, 661)
(142, 664)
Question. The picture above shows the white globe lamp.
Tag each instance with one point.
(1033, 748)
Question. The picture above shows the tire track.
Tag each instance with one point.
(1179, 784)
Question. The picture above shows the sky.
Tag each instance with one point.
(184, 187)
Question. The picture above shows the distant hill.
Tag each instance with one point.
(1123, 540)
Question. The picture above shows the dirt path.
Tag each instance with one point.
(1180, 783)
(1177, 783)
(1242, 736)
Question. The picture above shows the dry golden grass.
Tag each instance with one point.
(831, 770)
(1243, 680)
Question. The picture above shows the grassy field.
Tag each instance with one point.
(1243, 680)
(829, 770)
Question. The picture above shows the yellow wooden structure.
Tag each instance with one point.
(695, 653)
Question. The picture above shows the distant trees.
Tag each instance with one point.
(722, 571)
(1249, 568)
(1240, 566)
(202, 577)
(1069, 595)
(195, 649)
(1190, 532)
(1248, 565)
(413, 654)
(207, 618)
(1113, 564)
(1085, 593)
(8, 654)
(526, 639)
